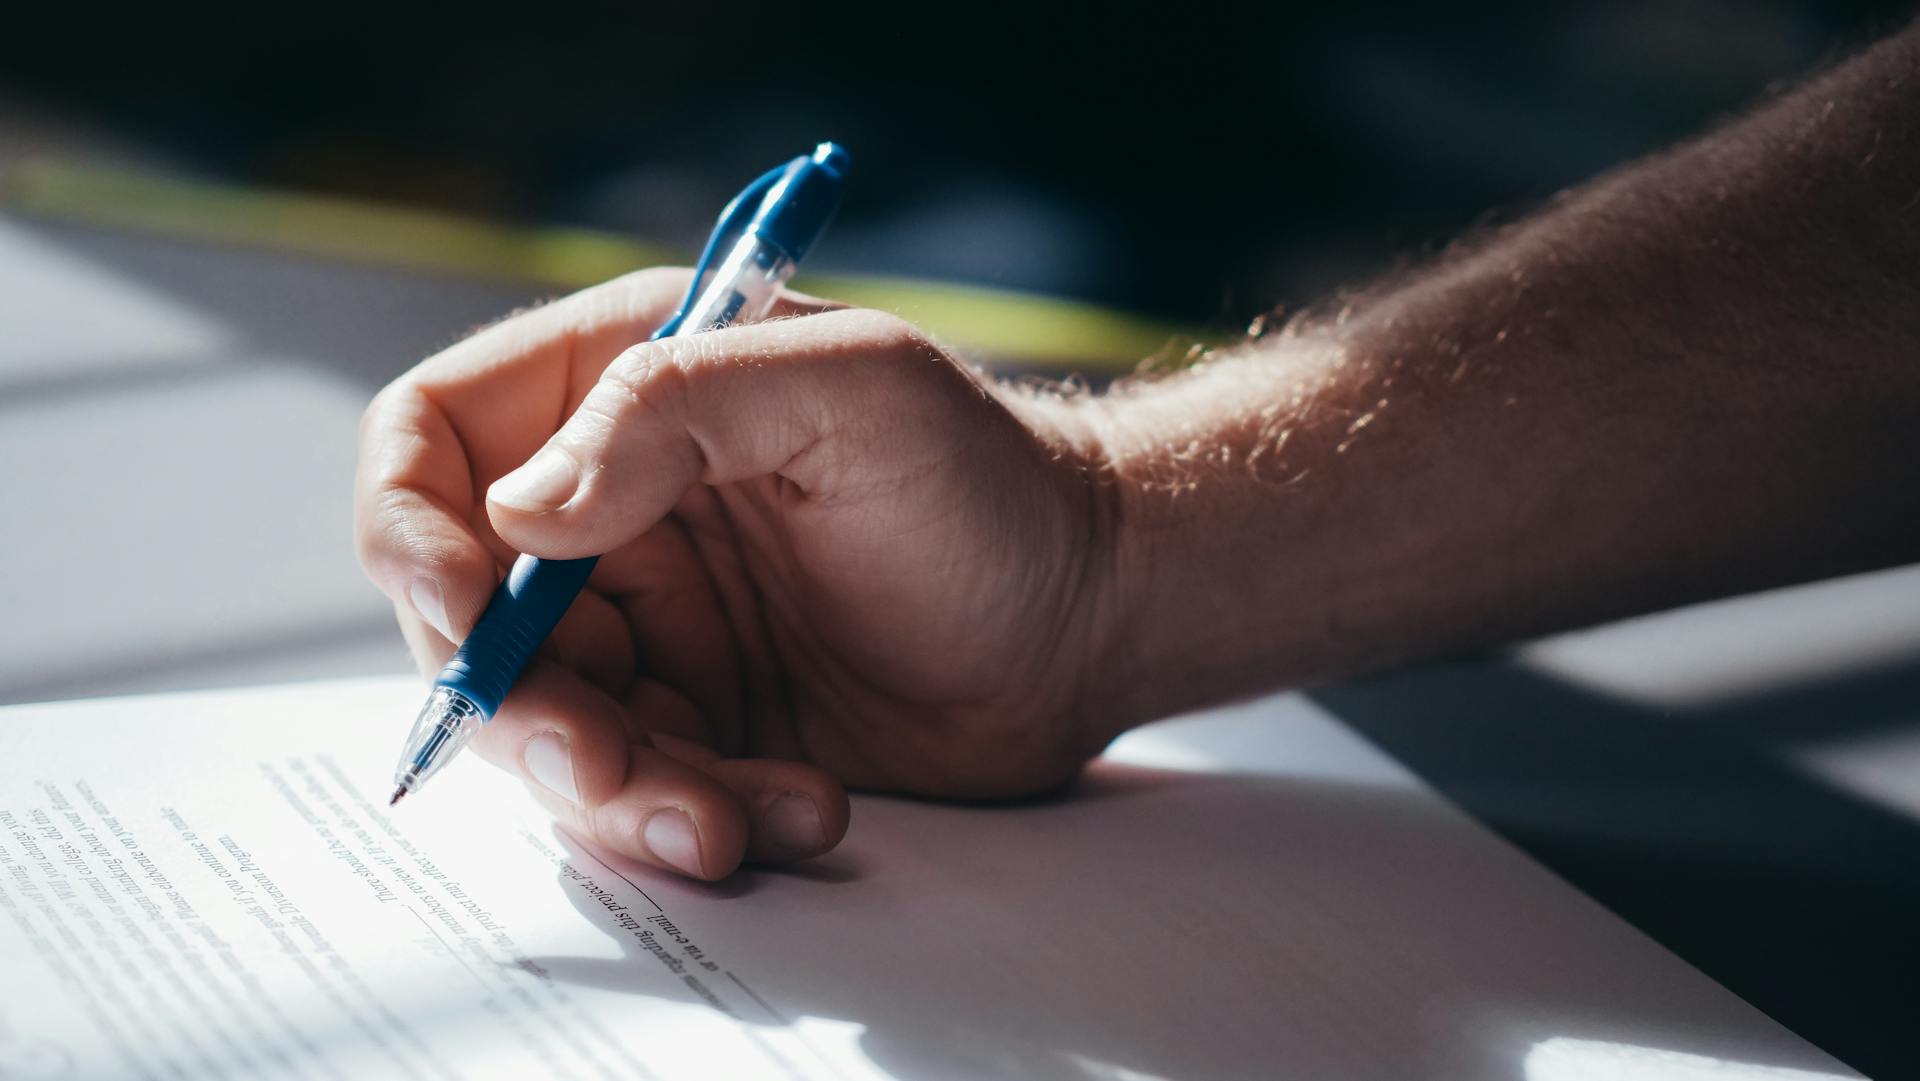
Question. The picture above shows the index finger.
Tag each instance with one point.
(434, 439)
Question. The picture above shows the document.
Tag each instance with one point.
(211, 886)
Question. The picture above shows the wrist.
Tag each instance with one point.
(1090, 647)
(1216, 589)
(1273, 517)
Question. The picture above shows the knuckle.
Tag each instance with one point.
(878, 329)
(383, 539)
(379, 408)
(405, 543)
(391, 530)
(650, 287)
(646, 369)
(650, 376)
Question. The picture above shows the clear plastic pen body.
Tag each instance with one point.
(446, 723)
(742, 290)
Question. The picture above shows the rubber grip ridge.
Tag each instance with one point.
(523, 611)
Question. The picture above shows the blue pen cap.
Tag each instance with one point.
(796, 210)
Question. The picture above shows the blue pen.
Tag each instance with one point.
(789, 208)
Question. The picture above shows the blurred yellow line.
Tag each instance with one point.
(315, 225)
(1045, 331)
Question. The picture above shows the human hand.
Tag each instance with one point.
(831, 556)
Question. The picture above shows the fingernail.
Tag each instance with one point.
(670, 837)
(794, 822)
(545, 482)
(431, 604)
(550, 761)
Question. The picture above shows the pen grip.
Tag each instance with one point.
(523, 611)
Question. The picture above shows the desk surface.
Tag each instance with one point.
(1741, 781)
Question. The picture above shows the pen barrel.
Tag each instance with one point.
(523, 611)
(743, 289)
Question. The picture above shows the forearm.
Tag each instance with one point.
(1693, 377)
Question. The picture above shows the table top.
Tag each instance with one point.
(1740, 780)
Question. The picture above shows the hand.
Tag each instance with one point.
(830, 556)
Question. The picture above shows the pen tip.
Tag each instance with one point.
(397, 793)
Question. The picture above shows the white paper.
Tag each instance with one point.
(208, 886)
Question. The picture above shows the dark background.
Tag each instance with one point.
(1195, 160)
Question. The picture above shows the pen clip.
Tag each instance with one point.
(733, 220)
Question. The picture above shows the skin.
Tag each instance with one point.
(834, 556)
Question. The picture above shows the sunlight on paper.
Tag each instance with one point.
(1565, 1059)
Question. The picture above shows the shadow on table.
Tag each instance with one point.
(1695, 827)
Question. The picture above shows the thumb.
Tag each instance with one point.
(724, 406)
